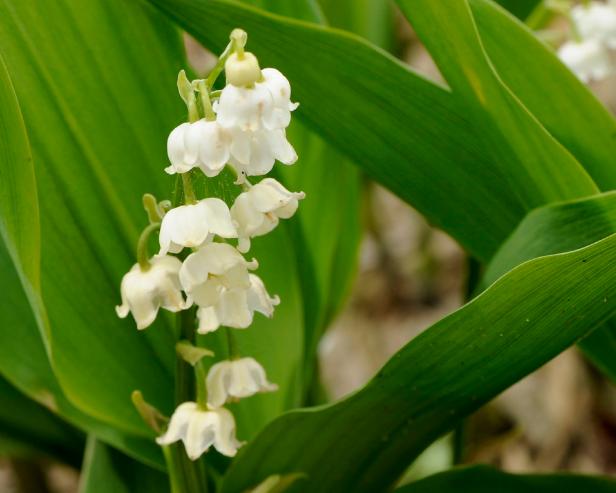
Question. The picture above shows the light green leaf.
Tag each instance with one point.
(105, 470)
(407, 133)
(559, 228)
(484, 479)
(522, 321)
(371, 19)
(23, 358)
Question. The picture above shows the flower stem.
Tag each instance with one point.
(220, 64)
(206, 104)
(142, 246)
(201, 377)
(189, 193)
(234, 352)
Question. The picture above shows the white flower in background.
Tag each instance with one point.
(193, 225)
(235, 307)
(254, 153)
(204, 144)
(212, 268)
(234, 379)
(596, 21)
(588, 59)
(199, 429)
(144, 292)
(257, 211)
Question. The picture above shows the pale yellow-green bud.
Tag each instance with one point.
(242, 70)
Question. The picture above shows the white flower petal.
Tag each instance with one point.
(588, 60)
(144, 292)
(258, 298)
(280, 146)
(208, 320)
(178, 424)
(214, 149)
(236, 379)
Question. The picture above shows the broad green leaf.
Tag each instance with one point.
(539, 168)
(559, 228)
(106, 470)
(39, 432)
(404, 131)
(16, 181)
(23, 358)
(363, 443)
(565, 106)
(371, 19)
(519, 8)
(484, 479)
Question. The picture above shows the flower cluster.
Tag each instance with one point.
(243, 127)
(589, 53)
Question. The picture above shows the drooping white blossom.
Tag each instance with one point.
(200, 428)
(235, 379)
(596, 21)
(203, 144)
(144, 292)
(211, 269)
(257, 211)
(265, 105)
(235, 307)
(588, 59)
(254, 153)
(280, 89)
(195, 224)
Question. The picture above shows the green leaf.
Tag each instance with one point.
(35, 429)
(371, 19)
(559, 228)
(484, 479)
(105, 470)
(519, 8)
(23, 358)
(539, 168)
(565, 106)
(404, 131)
(523, 320)
(16, 181)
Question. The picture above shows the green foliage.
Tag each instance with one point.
(106, 470)
(522, 321)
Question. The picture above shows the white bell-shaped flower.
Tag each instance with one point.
(263, 105)
(193, 225)
(257, 211)
(235, 307)
(235, 379)
(203, 144)
(280, 89)
(245, 108)
(589, 59)
(144, 292)
(211, 269)
(596, 21)
(200, 428)
(254, 153)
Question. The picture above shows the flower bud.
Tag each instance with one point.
(242, 70)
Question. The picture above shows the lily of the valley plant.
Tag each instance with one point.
(590, 51)
(200, 265)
